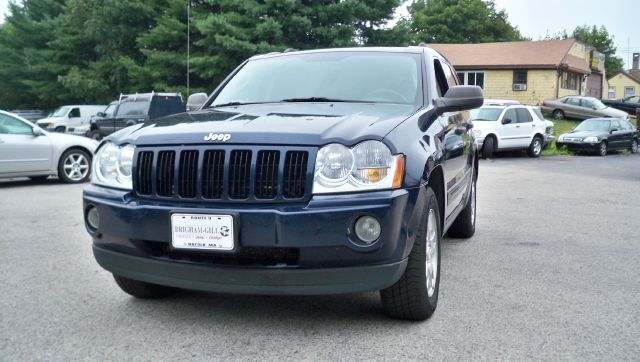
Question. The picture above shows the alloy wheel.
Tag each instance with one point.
(603, 149)
(431, 252)
(634, 146)
(76, 166)
(537, 146)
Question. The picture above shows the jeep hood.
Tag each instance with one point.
(275, 123)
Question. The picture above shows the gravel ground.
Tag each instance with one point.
(551, 274)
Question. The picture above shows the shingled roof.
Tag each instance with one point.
(544, 54)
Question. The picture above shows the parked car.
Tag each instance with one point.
(580, 107)
(68, 118)
(106, 114)
(137, 108)
(501, 126)
(30, 115)
(601, 135)
(28, 151)
(343, 183)
(629, 104)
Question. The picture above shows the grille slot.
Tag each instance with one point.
(295, 174)
(239, 174)
(188, 175)
(213, 174)
(266, 186)
(165, 169)
(145, 166)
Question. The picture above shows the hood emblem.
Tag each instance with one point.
(224, 137)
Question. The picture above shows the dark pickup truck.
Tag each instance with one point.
(304, 172)
(132, 109)
(629, 104)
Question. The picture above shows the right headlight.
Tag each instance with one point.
(369, 165)
(112, 166)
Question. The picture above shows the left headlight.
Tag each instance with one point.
(112, 166)
(592, 139)
(369, 165)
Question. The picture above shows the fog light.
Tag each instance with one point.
(368, 229)
(93, 217)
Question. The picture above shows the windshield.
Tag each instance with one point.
(486, 114)
(60, 112)
(334, 76)
(591, 125)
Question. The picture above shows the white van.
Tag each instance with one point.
(70, 118)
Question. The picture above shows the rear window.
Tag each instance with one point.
(164, 106)
(538, 113)
(486, 114)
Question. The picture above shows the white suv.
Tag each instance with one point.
(500, 126)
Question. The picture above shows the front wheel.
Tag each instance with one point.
(95, 135)
(142, 290)
(535, 148)
(74, 166)
(634, 146)
(602, 149)
(488, 147)
(415, 295)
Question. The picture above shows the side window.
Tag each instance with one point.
(615, 125)
(625, 125)
(441, 78)
(523, 115)
(587, 103)
(573, 101)
(10, 125)
(75, 113)
(449, 73)
(519, 80)
(511, 115)
(538, 113)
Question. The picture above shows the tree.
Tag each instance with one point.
(599, 38)
(460, 21)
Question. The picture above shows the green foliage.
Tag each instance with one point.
(460, 21)
(600, 39)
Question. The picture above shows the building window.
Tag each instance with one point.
(519, 80)
(471, 78)
(629, 91)
(612, 92)
(571, 80)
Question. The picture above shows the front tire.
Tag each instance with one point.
(142, 290)
(535, 148)
(634, 146)
(488, 147)
(95, 135)
(74, 166)
(60, 129)
(415, 295)
(464, 225)
(602, 149)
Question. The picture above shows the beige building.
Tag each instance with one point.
(627, 83)
(528, 71)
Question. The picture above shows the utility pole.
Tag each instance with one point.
(188, 43)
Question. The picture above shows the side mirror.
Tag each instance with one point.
(101, 114)
(506, 121)
(195, 101)
(614, 130)
(460, 98)
(37, 132)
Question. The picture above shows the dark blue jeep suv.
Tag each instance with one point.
(304, 172)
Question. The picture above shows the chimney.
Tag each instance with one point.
(636, 61)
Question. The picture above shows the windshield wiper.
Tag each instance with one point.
(235, 103)
(323, 99)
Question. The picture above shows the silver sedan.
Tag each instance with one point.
(27, 150)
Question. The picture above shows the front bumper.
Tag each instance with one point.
(324, 257)
(579, 146)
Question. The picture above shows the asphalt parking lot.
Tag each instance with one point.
(552, 274)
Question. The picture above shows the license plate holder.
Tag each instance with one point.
(202, 232)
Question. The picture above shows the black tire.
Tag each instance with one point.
(409, 297)
(602, 149)
(634, 146)
(60, 129)
(68, 178)
(38, 178)
(94, 134)
(535, 148)
(558, 114)
(488, 147)
(142, 290)
(464, 225)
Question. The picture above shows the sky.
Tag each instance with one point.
(537, 18)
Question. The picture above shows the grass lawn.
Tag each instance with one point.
(565, 126)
